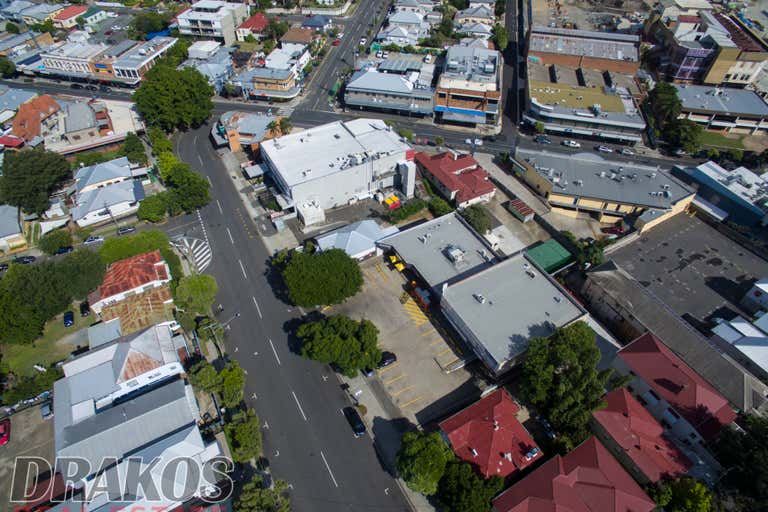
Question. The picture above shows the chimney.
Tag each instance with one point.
(474, 452)
(508, 456)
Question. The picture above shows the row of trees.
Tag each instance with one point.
(30, 176)
(665, 105)
(186, 191)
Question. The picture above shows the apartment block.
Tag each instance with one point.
(213, 19)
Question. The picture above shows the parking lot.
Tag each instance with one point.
(692, 267)
(107, 31)
(31, 436)
(416, 384)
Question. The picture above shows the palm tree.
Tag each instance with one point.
(273, 126)
(285, 125)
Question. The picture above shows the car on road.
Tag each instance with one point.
(64, 250)
(336, 42)
(5, 431)
(76, 86)
(105, 88)
(387, 358)
(85, 308)
(93, 240)
(45, 410)
(24, 260)
(542, 139)
(69, 319)
(571, 144)
(91, 88)
(363, 41)
(627, 151)
(358, 427)
(125, 230)
(379, 54)
(604, 149)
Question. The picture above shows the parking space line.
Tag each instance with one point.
(391, 381)
(444, 351)
(428, 333)
(406, 388)
(387, 368)
(381, 272)
(411, 402)
(437, 341)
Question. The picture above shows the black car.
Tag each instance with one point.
(85, 308)
(76, 86)
(69, 319)
(358, 427)
(105, 88)
(91, 88)
(387, 358)
(125, 230)
(64, 250)
(3, 267)
(542, 139)
(24, 260)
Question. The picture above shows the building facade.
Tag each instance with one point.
(213, 19)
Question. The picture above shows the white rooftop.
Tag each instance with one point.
(750, 338)
(742, 182)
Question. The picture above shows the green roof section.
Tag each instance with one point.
(550, 255)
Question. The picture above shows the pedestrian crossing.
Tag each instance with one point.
(285, 111)
(197, 251)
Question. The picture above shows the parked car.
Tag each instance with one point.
(428, 58)
(387, 358)
(336, 42)
(368, 372)
(571, 144)
(379, 54)
(85, 308)
(358, 427)
(69, 319)
(363, 40)
(627, 151)
(46, 411)
(542, 139)
(91, 88)
(613, 230)
(125, 230)
(604, 149)
(3, 267)
(105, 88)
(93, 240)
(64, 250)
(24, 260)
(76, 86)
(548, 430)
(5, 431)
(385, 55)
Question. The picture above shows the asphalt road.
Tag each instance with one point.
(306, 437)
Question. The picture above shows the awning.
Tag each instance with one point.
(254, 171)
(463, 118)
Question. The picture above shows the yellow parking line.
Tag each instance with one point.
(412, 306)
(451, 361)
(428, 333)
(402, 391)
(392, 381)
(444, 351)
(381, 272)
(387, 368)
(412, 402)
(439, 340)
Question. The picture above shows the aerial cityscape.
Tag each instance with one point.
(383, 255)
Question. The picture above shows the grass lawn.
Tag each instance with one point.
(720, 141)
(52, 346)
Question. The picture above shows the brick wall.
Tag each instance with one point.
(575, 61)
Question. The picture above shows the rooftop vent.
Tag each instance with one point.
(479, 298)
(474, 452)
(454, 253)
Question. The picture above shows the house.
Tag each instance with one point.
(401, 84)
(477, 14)
(587, 479)
(336, 164)
(106, 173)
(212, 19)
(264, 83)
(724, 110)
(24, 48)
(637, 440)
(291, 56)
(488, 435)
(358, 239)
(40, 13)
(94, 15)
(212, 61)
(104, 332)
(36, 118)
(67, 17)
(11, 100)
(476, 30)
(141, 310)
(11, 235)
(459, 178)
(242, 130)
(318, 23)
(255, 26)
(13, 11)
(299, 35)
(404, 28)
(603, 51)
(128, 277)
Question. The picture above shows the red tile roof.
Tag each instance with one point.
(458, 173)
(132, 273)
(10, 141)
(588, 479)
(26, 123)
(256, 23)
(73, 11)
(490, 427)
(640, 436)
(688, 18)
(674, 381)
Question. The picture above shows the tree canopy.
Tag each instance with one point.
(461, 489)
(422, 459)
(477, 217)
(133, 148)
(342, 341)
(232, 384)
(171, 98)
(665, 103)
(322, 278)
(254, 497)
(244, 436)
(54, 240)
(7, 67)
(195, 293)
(685, 494)
(744, 457)
(684, 134)
(30, 176)
(205, 377)
(500, 37)
(560, 378)
(159, 140)
(147, 22)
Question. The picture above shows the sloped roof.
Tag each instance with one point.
(588, 479)
(460, 173)
(105, 197)
(104, 171)
(405, 18)
(674, 381)
(490, 427)
(103, 332)
(355, 238)
(73, 11)
(26, 124)
(256, 23)
(141, 310)
(640, 436)
(298, 35)
(9, 221)
(479, 11)
(132, 273)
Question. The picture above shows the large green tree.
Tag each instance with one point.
(7, 67)
(159, 140)
(322, 278)
(205, 377)
(422, 459)
(500, 37)
(196, 293)
(340, 340)
(461, 489)
(477, 217)
(684, 134)
(189, 189)
(171, 98)
(561, 379)
(665, 103)
(153, 208)
(232, 384)
(54, 240)
(254, 497)
(133, 148)
(685, 494)
(244, 436)
(744, 457)
(30, 176)
(147, 22)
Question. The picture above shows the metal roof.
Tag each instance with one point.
(601, 45)
(104, 171)
(9, 221)
(103, 332)
(80, 116)
(356, 239)
(721, 101)
(100, 198)
(10, 99)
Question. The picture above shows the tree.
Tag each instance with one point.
(54, 240)
(477, 217)
(82, 271)
(324, 278)
(439, 206)
(685, 494)
(439, 140)
(133, 148)
(406, 133)
(277, 29)
(250, 39)
(268, 45)
(170, 98)
(147, 22)
(462, 490)
(254, 497)
(244, 436)
(560, 377)
(195, 293)
(539, 127)
(46, 26)
(153, 208)
(665, 103)
(166, 162)
(744, 457)
(285, 125)
(499, 8)
(30, 387)
(159, 141)
(188, 188)
(7, 67)
(30, 176)
(500, 37)
(421, 460)
(685, 134)
(11, 28)
(205, 377)
(232, 384)
(341, 341)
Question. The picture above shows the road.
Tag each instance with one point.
(306, 437)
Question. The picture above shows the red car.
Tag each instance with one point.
(5, 431)
(613, 230)
(336, 42)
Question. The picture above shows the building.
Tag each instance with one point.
(358, 239)
(476, 30)
(724, 110)
(336, 164)
(70, 58)
(291, 56)
(40, 13)
(212, 61)
(637, 440)
(404, 28)
(67, 17)
(495, 319)
(741, 193)
(318, 23)
(458, 178)
(265, 83)
(468, 91)
(400, 84)
(299, 35)
(604, 51)
(745, 340)
(11, 235)
(551, 256)
(94, 15)
(255, 26)
(587, 479)
(132, 65)
(24, 46)
(13, 11)
(212, 19)
(129, 276)
(36, 119)
(106, 173)
(477, 14)
(756, 299)
(610, 190)
(11, 100)
(107, 203)
(488, 435)
(242, 130)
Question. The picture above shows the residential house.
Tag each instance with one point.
(242, 130)
(458, 178)
(11, 235)
(255, 26)
(318, 23)
(67, 17)
(212, 61)
(488, 435)
(36, 119)
(478, 14)
(476, 30)
(40, 13)
(404, 28)
(107, 203)
(263, 83)
(358, 239)
(291, 56)
(107, 173)
(418, 6)
(299, 35)
(13, 11)
(587, 479)
(128, 277)
(94, 15)
(213, 19)
(11, 100)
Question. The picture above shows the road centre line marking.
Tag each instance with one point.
(209, 178)
(299, 405)
(257, 306)
(275, 352)
(231, 239)
(219, 204)
(242, 268)
(328, 468)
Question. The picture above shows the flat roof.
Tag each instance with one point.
(506, 305)
(442, 250)
(599, 45)
(592, 176)
(742, 182)
(144, 52)
(569, 94)
(721, 100)
(330, 148)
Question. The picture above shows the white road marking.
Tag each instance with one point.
(254, 396)
(299, 405)
(242, 267)
(232, 239)
(209, 181)
(329, 468)
(201, 163)
(275, 352)
(266, 426)
(257, 306)
(219, 205)
(236, 349)
(386, 491)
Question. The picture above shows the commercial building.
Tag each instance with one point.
(468, 91)
(336, 164)
(255, 26)
(129, 276)
(358, 239)
(67, 17)
(263, 83)
(133, 65)
(611, 190)
(13, 11)
(400, 84)
(213, 19)
(604, 51)
(745, 340)
(488, 435)
(459, 178)
(212, 61)
(23, 46)
(242, 130)
(587, 479)
(71, 58)
(725, 110)
(291, 56)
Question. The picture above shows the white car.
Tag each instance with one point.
(379, 54)
(627, 151)
(363, 40)
(93, 240)
(604, 149)
(571, 144)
